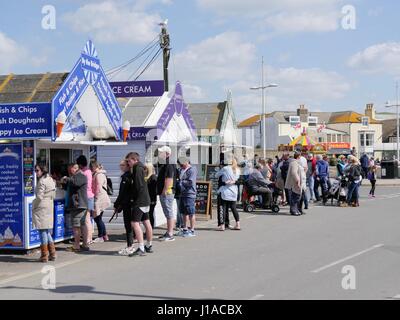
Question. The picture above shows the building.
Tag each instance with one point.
(216, 124)
(336, 131)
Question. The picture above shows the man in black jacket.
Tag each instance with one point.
(122, 203)
(139, 204)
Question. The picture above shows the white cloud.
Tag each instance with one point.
(114, 22)
(192, 93)
(314, 87)
(282, 15)
(381, 58)
(224, 56)
(11, 53)
(303, 22)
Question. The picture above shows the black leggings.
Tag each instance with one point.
(372, 192)
(101, 227)
(232, 206)
(151, 214)
(128, 227)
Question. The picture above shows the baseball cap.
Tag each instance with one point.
(165, 149)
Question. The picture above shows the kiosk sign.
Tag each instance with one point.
(88, 71)
(11, 196)
(133, 89)
(25, 120)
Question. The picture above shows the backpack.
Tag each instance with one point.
(109, 189)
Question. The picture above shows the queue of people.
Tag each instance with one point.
(299, 180)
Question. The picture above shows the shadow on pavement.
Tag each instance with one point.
(92, 290)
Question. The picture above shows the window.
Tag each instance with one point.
(369, 139)
(328, 138)
(312, 121)
(320, 139)
(294, 120)
(339, 138)
(365, 121)
(362, 139)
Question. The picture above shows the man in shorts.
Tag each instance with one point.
(139, 204)
(77, 206)
(187, 187)
(166, 182)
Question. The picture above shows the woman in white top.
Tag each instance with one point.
(229, 192)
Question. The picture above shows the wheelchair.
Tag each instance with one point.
(250, 203)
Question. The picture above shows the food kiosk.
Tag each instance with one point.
(82, 114)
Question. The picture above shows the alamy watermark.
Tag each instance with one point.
(349, 280)
(49, 279)
(349, 17)
(49, 19)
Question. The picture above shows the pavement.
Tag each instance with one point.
(328, 253)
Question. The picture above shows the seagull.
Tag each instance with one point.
(163, 24)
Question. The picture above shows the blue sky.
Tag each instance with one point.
(217, 46)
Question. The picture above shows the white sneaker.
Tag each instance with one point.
(126, 251)
(98, 240)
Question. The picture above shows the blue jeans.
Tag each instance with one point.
(310, 187)
(45, 236)
(353, 190)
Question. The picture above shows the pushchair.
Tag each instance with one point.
(250, 202)
(338, 190)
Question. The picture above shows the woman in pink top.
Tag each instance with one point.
(83, 165)
(101, 199)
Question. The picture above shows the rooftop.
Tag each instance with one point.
(30, 87)
(207, 115)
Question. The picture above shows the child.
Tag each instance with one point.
(372, 179)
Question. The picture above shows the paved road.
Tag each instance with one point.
(273, 257)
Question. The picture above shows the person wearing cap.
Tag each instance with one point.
(188, 192)
(166, 182)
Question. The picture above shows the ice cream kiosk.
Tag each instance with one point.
(81, 114)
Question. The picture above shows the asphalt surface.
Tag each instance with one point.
(272, 257)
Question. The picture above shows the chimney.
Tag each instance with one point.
(370, 111)
(302, 112)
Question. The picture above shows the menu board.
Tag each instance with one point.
(11, 196)
(211, 172)
(28, 151)
(203, 199)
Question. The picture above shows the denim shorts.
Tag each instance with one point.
(187, 206)
(90, 204)
(167, 204)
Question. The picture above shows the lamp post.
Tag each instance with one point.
(262, 88)
(389, 105)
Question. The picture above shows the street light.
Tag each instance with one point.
(389, 105)
(263, 87)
